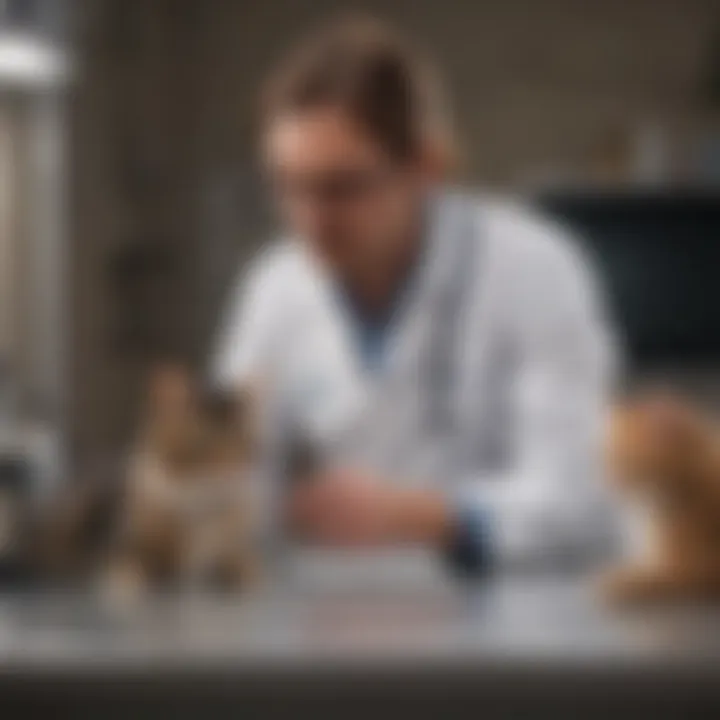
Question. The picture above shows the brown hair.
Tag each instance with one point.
(363, 67)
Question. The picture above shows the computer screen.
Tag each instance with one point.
(658, 256)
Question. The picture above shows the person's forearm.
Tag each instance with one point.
(423, 516)
(461, 533)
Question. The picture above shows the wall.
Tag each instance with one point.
(164, 133)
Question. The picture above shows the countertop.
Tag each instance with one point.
(541, 643)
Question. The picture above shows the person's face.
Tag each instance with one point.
(339, 190)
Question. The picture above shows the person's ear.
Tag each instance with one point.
(439, 157)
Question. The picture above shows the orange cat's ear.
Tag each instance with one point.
(170, 388)
(669, 421)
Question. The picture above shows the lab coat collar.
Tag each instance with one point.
(415, 316)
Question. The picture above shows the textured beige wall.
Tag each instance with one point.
(532, 80)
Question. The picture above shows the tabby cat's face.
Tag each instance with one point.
(198, 433)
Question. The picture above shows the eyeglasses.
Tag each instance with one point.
(336, 187)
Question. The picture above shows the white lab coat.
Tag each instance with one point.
(495, 382)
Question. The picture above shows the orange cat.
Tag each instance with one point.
(665, 455)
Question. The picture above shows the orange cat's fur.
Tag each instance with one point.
(665, 455)
(182, 513)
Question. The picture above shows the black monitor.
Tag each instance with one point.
(658, 254)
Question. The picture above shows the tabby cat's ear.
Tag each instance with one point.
(248, 397)
(170, 388)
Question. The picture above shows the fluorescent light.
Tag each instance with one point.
(31, 62)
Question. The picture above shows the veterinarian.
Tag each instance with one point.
(447, 353)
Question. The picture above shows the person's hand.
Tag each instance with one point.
(352, 508)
